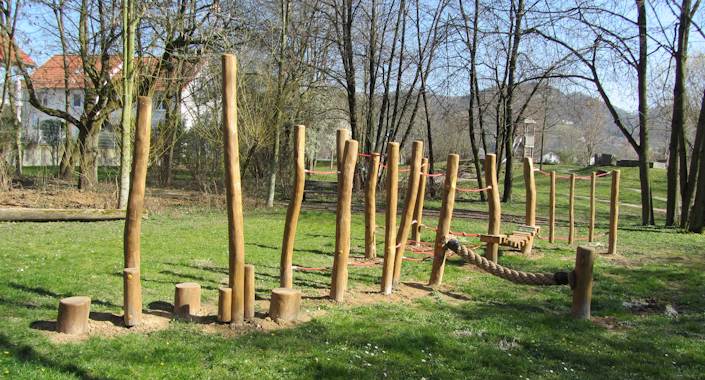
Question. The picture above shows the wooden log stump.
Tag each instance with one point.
(530, 186)
(418, 208)
(581, 283)
(494, 207)
(187, 300)
(591, 226)
(233, 189)
(225, 298)
(390, 221)
(571, 210)
(249, 292)
(444, 220)
(285, 304)
(614, 213)
(73, 315)
(371, 207)
(286, 275)
(408, 212)
(132, 297)
(552, 209)
(339, 273)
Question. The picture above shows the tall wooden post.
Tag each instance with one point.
(447, 205)
(286, 277)
(494, 207)
(571, 210)
(552, 209)
(530, 188)
(614, 213)
(418, 208)
(233, 187)
(132, 292)
(390, 224)
(371, 207)
(591, 226)
(409, 203)
(581, 283)
(339, 283)
(341, 135)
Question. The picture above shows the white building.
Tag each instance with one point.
(49, 82)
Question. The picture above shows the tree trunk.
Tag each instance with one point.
(128, 81)
(274, 168)
(643, 151)
(508, 115)
(88, 148)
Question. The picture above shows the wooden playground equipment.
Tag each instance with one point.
(236, 301)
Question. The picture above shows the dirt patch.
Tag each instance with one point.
(158, 317)
(63, 195)
(610, 323)
(104, 325)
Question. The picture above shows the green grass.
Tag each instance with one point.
(487, 329)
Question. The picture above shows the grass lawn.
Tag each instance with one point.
(476, 326)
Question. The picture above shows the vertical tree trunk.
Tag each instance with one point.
(128, 53)
(88, 148)
(508, 115)
(471, 101)
(643, 151)
(274, 167)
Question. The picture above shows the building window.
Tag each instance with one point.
(77, 101)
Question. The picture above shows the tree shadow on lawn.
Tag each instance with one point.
(26, 354)
(313, 251)
(48, 293)
(116, 320)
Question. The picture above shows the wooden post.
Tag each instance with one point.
(418, 208)
(552, 209)
(187, 299)
(286, 276)
(571, 210)
(409, 204)
(233, 187)
(249, 292)
(339, 283)
(530, 187)
(390, 228)
(447, 205)
(591, 226)
(581, 283)
(341, 135)
(614, 213)
(495, 209)
(132, 290)
(225, 299)
(132, 296)
(285, 304)
(73, 315)
(371, 207)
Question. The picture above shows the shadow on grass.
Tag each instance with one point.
(313, 251)
(48, 293)
(26, 354)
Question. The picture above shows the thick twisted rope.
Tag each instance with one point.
(515, 276)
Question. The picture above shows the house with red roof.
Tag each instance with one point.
(60, 83)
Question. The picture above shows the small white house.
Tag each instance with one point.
(550, 158)
(50, 84)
